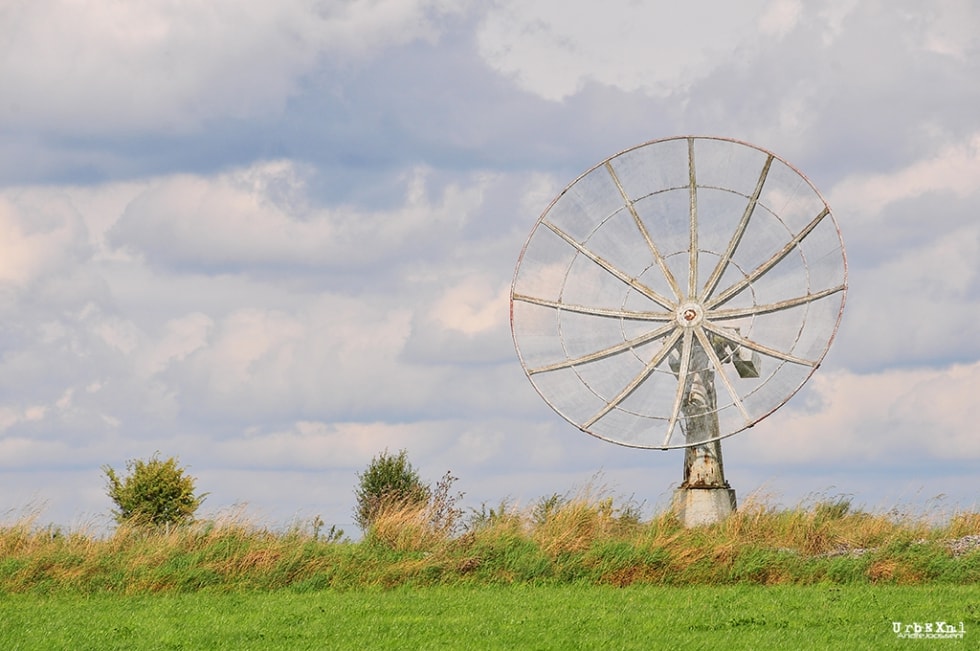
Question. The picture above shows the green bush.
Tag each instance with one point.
(154, 492)
(388, 480)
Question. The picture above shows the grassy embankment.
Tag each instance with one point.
(581, 540)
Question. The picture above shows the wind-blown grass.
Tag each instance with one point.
(586, 539)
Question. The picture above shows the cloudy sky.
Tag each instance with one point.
(275, 238)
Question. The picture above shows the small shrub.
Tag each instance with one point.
(155, 492)
(387, 481)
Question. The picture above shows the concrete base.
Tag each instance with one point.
(701, 506)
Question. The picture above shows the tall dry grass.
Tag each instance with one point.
(586, 537)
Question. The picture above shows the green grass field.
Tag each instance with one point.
(576, 573)
(497, 617)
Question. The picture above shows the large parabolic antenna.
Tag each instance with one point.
(678, 292)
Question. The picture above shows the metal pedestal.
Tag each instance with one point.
(704, 497)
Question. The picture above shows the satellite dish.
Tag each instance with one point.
(677, 293)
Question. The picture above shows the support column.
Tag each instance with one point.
(704, 497)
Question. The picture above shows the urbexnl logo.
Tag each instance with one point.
(929, 630)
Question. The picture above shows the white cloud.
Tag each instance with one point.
(261, 216)
(833, 14)
(320, 445)
(100, 67)
(466, 322)
(654, 47)
(279, 322)
(919, 304)
(780, 17)
(11, 416)
(915, 243)
(472, 306)
(952, 29)
(872, 419)
(954, 169)
(202, 332)
(37, 237)
(181, 336)
(120, 334)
